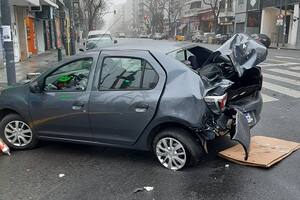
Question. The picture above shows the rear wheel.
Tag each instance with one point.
(16, 133)
(176, 149)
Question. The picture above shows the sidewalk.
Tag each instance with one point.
(36, 63)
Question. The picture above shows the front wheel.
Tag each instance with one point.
(176, 149)
(16, 133)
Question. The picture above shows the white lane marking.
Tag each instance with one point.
(278, 64)
(287, 57)
(295, 68)
(281, 89)
(274, 60)
(286, 72)
(282, 79)
(267, 98)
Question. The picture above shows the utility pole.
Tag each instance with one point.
(284, 23)
(8, 42)
(279, 26)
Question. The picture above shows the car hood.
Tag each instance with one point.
(244, 52)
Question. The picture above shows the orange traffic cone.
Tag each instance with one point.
(4, 148)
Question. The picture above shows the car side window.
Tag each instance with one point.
(121, 73)
(70, 77)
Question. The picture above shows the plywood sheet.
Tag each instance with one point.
(264, 151)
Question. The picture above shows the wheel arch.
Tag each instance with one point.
(167, 125)
(6, 111)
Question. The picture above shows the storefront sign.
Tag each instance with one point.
(6, 31)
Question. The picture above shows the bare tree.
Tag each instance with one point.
(156, 9)
(173, 12)
(91, 12)
(215, 7)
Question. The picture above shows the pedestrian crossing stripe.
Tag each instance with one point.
(281, 89)
(267, 98)
(286, 72)
(265, 64)
(282, 79)
(295, 68)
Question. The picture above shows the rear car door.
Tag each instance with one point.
(61, 109)
(125, 95)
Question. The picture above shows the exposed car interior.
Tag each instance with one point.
(70, 77)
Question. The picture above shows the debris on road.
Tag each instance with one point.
(227, 166)
(61, 175)
(4, 148)
(146, 188)
(265, 152)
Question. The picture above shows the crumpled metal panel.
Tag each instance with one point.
(244, 52)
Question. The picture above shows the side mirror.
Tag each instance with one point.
(115, 41)
(82, 50)
(35, 87)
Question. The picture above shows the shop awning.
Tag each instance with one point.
(182, 26)
(50, 3)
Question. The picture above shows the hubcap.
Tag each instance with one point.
(18, 133)
(171, 153)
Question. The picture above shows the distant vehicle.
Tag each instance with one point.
(157, 36)
(99, 34)
(121, 35)
(222, 38)
(97, 43)
(208, 35)
(262, 38)
(143, 35)
(198, 37)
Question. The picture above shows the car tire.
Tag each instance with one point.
(16, 132)
(176, 148)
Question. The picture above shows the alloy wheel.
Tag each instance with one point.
(18, 133)
(171, 153)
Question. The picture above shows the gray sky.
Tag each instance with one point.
(111, 5)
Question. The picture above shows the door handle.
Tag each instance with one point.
(141, 107)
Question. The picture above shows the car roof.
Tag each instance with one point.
(96, 32)
(164, 47)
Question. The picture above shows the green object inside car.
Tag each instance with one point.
(65, 78)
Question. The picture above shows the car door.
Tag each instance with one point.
(61, 109)
(125, 95)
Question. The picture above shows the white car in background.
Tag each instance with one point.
(99, 34)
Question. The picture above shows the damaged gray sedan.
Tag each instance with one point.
(166, 97)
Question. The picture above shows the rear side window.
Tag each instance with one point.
(121, 73)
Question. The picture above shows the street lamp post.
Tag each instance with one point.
(8, 42)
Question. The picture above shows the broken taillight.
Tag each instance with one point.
(216, 103)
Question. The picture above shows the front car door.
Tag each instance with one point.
(125, 95)
(61, 109)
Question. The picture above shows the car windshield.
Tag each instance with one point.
(103, 42)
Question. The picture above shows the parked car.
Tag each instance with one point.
(99, 34)
(143, 36)
(264, 39)
(198, 37)
(222, 38)
(166, 97)
(209, 36)
(157, 36)
(97, 43)
(121, 35)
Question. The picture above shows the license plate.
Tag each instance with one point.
(250, 118)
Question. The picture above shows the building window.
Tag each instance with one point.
(196, 4)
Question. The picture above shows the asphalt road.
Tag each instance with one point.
(92, 172)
